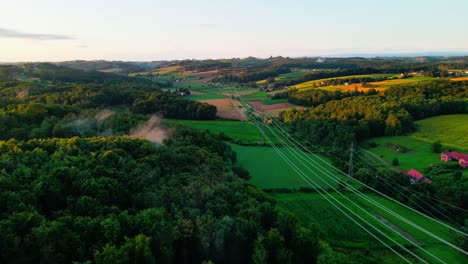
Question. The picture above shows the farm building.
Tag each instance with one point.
(417, 177)
(452, 155)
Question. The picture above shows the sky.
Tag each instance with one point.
(146, 30)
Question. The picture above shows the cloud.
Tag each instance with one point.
(7, 33)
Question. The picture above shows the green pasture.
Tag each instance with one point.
(241, 132)
(450, 130)
(269, 170)
(256, 96)
(205, 96)
(418, 155)
(288, 76)
(312, 208)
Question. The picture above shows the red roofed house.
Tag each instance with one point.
(462, 158)
(417, 177)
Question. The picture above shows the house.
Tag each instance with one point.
(417, 177)
(453, 155)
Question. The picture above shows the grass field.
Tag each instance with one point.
(256, 96)
(273, 101)
(311, 208)
(205, 96)
(269, 170)
(450, 130)
(199, 87)
(418, 157)
(287, 76)
(241, 131)
(389, 83)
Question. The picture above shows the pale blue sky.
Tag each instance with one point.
(51, 30)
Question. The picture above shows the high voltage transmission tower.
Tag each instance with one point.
(350, 165)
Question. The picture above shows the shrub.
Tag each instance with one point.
(436, 147)
(241, 172)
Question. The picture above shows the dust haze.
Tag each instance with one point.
(152, 131)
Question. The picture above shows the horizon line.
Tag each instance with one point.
(365, 55)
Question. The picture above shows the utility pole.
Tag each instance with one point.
(350, 165)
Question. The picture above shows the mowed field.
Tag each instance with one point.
(269, 170)
(450, 130)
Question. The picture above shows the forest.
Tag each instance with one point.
(74, 187)
(137, 202)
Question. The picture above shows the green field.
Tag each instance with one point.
(211, 88)
(205, 96)
(418, 156)
(450, 130)
(269, 170)
(287, 76)
(312, 208)
(389, 83)
(241, 132)
(199, 87)
(256, 96)
(273, 101)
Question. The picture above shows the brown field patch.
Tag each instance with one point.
(273, 109)
(261, 107)
(227, 108)
(276, 112)
(204, 76)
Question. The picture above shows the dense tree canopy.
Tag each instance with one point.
(135, 201)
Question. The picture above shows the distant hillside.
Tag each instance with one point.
(103, 66)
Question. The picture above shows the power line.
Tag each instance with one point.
(394, 200)
(256, 123)
(391, 212)
(319, 190)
